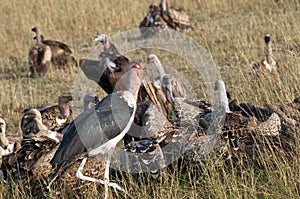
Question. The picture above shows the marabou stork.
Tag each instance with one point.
(98, 130)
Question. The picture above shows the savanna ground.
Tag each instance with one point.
(231, 31)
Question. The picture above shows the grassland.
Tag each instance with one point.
(231, 31)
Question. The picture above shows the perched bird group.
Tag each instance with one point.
(147, 114)
(164, 16)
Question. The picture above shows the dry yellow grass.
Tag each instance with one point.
(231, 31)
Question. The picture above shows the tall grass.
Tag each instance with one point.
(231, 31)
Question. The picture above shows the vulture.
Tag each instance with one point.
(249, 110)
(150, 123)
(239, 128)
(7, 145)
(165, 105)
(251, 137)
(98, 130)
(152, 22)
(110, 68)
(109, 49)
(273, 124)
(153, 19)
(142, 156)
(89, 101)
(164, 16)
(61, 53)
(288, 113)
(174, 17)
(172, 87)
(189, 136)
(226, 121)
(39, 57)
(268, 62)
(30, 162)
(166, 87)
(31, 123)
(54, 117)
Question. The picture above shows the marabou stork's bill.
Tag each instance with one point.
(98, 130)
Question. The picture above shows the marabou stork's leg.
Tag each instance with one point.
(106, 176)
(110, 184)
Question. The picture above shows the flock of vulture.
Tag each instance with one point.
(146, 114)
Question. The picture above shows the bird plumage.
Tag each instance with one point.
(109, 69)
(152, 22)
(112, 66)
(57, 116)
(175, 18)
(31, 123)
(78, 137)
(54, 117)
(39, 56)
(171, 85)
(7, 145)
(89, 101)
(166, 87)
(142, 156)
(164, 16)
(33, 157)
(83, 133)
(30, 162)
(61, 53)
(268, 62)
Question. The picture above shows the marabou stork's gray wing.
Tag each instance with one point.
(94, 127)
